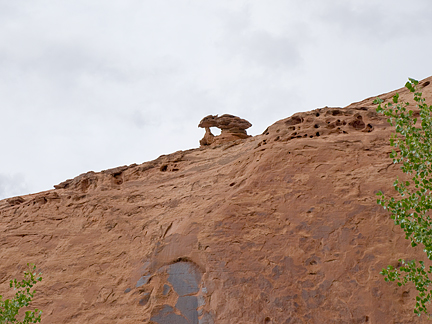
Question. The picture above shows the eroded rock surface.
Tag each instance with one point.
(278, 228)
(233, 128)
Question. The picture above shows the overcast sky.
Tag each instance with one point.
(94, 84)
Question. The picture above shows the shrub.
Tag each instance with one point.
(9, 308)
(410, 209)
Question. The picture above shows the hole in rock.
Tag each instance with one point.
(164, 167)
(117, 174)
(182, 259)
(369, 128)
(317, 134)
(316, 126)
(215, 131)
(426, 84)
(358, 124)
(317, 114)
(294, 120)
(232, 184)
(333, 112)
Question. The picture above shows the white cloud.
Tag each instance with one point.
(89, 85)
(11, 185)
(377, 21)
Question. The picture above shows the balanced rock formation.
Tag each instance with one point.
(233, 128)
(281, 227)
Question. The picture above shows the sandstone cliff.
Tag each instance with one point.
(278, 228)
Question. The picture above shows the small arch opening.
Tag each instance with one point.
(215, 131)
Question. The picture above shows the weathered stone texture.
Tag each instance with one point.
(278, 228)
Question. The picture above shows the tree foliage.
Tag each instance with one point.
(9, 308)
(411, 207)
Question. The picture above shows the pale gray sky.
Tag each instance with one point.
(94, 84)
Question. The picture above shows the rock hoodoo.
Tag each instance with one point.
(277, 228)
(233, 128)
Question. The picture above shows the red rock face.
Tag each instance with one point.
(278, 228)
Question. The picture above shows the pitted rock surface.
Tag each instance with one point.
(324, 121)
(281, 227)
(233, 128)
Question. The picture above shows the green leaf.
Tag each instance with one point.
(414, 81)
(10, 307)
(411, 208)
(409, 87)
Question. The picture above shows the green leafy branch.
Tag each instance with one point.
(9, 308)
(411, 210)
